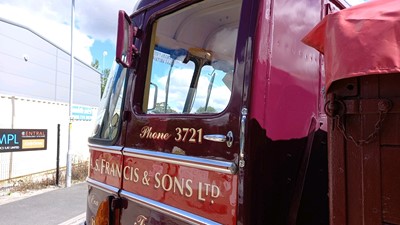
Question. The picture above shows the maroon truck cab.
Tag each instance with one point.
(214, 114)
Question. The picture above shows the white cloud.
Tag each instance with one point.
(356, 2)
(94, 20)
(179, 86)
(99, 18)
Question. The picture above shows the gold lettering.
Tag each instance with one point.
(107, 167)
(166, 136)
(215, 191)
(209, 190)
(189, 190)
(158, 183)
(199, 195)
(147, 132)
(206, 191)
(96, 163)
(178, 184)
(166, 182)
(125, 169)
(119, 170)
(103, 166)
(136, 174)
(140, 220)
(131, 173)
(207, 186)
(112, 170)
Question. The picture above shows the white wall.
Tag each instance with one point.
(34, 114)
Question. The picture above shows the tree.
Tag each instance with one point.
(160, 108)
(202, 109)
(104, 79)
(104, 75)
(95, 64)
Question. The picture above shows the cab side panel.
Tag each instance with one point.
(287, 142)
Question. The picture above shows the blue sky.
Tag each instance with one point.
(98, 49)
(95, 24)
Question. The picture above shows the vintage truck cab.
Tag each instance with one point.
(215, 114)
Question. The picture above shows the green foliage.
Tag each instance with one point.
(210, 109)
(160, 108)
(103, 84)
(104, 75)
(95, 64)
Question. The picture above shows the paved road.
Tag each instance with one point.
(64, 206)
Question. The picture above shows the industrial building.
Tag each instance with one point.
(34, 94)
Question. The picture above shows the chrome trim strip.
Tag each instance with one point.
(190, 161)
(163, 208)
(104, 187)
(107, 148)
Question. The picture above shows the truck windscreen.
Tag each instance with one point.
(109, 113)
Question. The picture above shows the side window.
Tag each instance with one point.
(191, 63)
(169, 79)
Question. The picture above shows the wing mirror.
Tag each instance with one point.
(125, 35)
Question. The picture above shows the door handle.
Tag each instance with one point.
(228, 138)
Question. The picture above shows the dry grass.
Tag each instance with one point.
(79, 172)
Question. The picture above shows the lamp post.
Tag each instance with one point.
(71, 88)
(104, 56)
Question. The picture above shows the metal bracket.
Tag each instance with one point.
(337, 109)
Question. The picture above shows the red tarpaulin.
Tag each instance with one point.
(360, 40)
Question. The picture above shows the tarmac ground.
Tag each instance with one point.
(63, 206)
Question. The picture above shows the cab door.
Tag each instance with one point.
(104, 205)
(105, 146)
(187, 118)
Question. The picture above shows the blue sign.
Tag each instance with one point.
(82, 112)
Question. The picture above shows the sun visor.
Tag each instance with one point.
(361, 40)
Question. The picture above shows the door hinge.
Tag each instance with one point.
(126, 116)
(119, 203)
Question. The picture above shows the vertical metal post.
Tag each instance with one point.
(58, 156)
(10, 166)
(71, 88)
